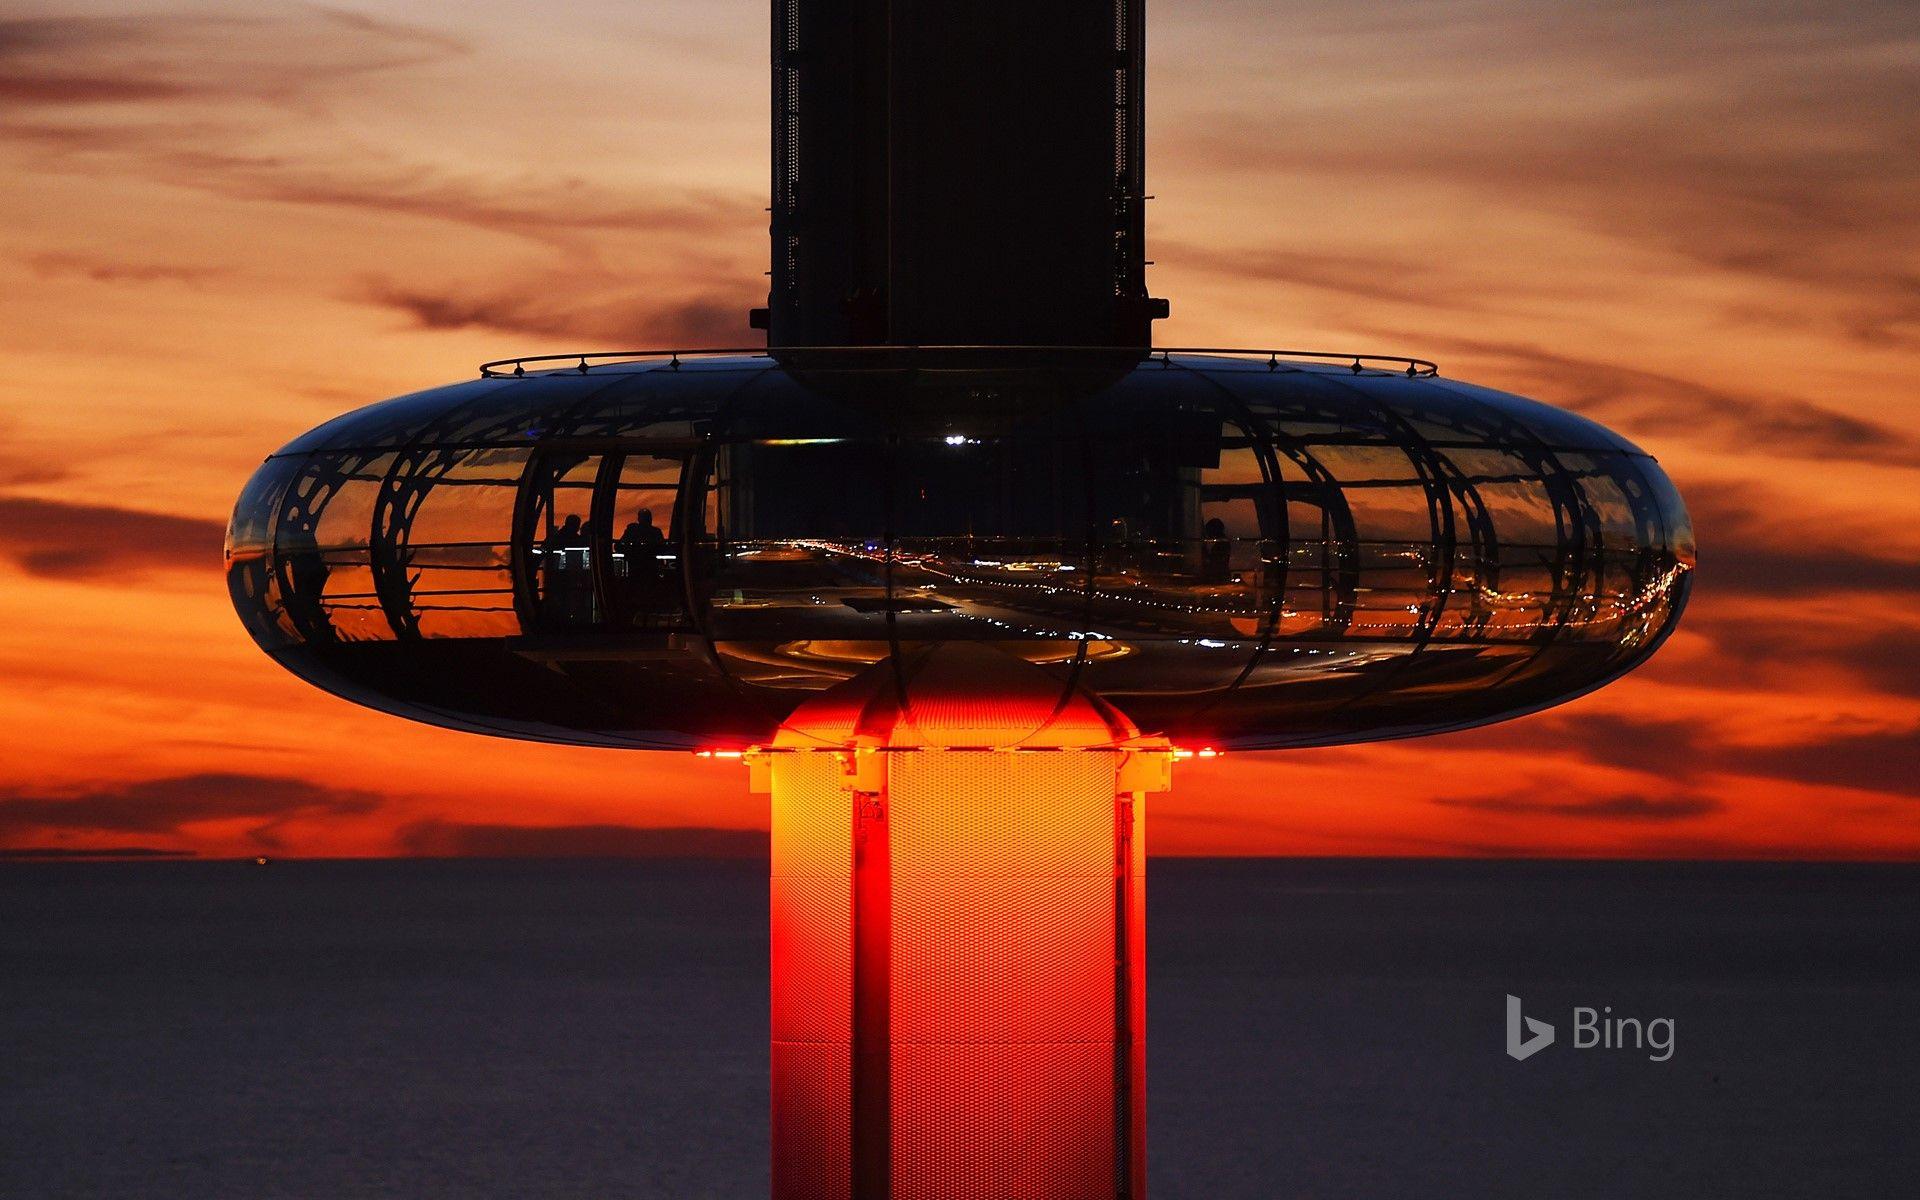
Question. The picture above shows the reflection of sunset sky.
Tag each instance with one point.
(224, 229)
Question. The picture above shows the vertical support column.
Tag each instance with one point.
(958, 1013)
(812, 953)
(1130, 1058)
(872, 1130)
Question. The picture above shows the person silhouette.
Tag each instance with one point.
(641, 575)
(1216, 551)
(642, 533)
(565, 583)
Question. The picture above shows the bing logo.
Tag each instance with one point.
(1528, 1036)
(1539, 1034)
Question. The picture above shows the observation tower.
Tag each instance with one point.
(960, 565)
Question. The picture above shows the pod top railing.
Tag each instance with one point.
(889, 357)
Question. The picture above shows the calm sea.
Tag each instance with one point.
(332, 1030)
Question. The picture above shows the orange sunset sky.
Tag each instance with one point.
(1698, 223)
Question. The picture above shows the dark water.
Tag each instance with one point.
(549, 1029)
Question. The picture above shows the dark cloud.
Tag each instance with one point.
(165, 805)
(103, 270)
(1671, 749)
(96, 543)
(1631, 808)
(1881, 762)
(83, 89)
(1887, 659)
(1786, 569)
(621, 319)
(1757, 543)
(63, 852)
(18, 468)
(1687, 753)
(444, 839)
(1890, 659)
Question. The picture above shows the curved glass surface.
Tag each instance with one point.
(1233, 554)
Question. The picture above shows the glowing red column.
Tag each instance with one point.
(958, 993)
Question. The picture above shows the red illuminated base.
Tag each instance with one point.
(958, 999)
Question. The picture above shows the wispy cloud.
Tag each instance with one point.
(542, 209)
(1772, 142)
(62, 61)
(228, 105)
(1634, 398)
(613, 315)
(1374, 277)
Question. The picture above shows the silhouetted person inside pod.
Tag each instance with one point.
(1216, 552)
(638, 571)
(566, 574)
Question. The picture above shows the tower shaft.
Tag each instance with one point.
(958, 174)
(957, 979)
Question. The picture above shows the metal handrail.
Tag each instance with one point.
(584, 363)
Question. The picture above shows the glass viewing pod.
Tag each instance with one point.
(1237, 549)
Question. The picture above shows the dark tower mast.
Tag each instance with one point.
(958, 174)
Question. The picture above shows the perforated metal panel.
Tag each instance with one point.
(1034, 962)
(810, 817)
(957, 812)
(1004, 1013)
(812, 951)
(1003, 868)
(812, 1109)
(1001, 1122)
